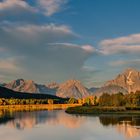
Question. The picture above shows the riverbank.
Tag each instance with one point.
(92, 110)
(36, 107)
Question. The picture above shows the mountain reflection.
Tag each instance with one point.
(128, 125)
(66, 120)
(23, 120)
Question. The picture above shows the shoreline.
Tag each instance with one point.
(82, 110)
(36, 107)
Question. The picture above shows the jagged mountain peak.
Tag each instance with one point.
(17, 82)
(130, 70)
(22, 85)
(72, 82)
(72, 88)
(29, 86)
(129, 80)
(20, 81)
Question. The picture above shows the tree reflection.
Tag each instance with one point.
(128, 125)
(107, 120)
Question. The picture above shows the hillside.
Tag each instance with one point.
(110, 89)
(72, 88)
(129, 80)
(7, 93)
(21, 85)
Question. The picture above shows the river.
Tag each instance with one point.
(57, 125)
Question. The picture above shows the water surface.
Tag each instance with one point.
(57, 125)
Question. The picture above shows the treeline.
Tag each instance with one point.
(131, 99)
(115, 100)
(118, 99)
(13, 101)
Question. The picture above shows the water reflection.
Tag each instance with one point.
(107, 120)
(70, 121)
(128, 130)
(128, 126)
(23, 120)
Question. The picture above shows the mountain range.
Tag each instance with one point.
(8, 93)
(126, 82)
(68, 89)
(30, 86)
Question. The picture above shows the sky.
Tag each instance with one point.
(56, 40)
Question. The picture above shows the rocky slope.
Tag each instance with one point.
(29, 86)
(110, 89)
(72, 88)
(129, 80)
(22, 85)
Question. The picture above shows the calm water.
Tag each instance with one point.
(57, 125)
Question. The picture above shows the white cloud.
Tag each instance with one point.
(88, 48)
(131, 39)
(18, 11)
(17, 7)
(126, 44)
(31, 29)
(33, 37)
(85, 48)
(44, 56)
(50, 7)
(15, 4)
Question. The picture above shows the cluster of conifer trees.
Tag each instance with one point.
(131, 99)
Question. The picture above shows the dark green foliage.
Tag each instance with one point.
(118, 104)
(105, 100)
(117, 99)
(131, 99)
(97, 110)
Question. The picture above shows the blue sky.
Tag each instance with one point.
(57, 40)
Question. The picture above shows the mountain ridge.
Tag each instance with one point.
(29, 86)
(129, 80)
(125, 82)
(72, 88)
(8, 93)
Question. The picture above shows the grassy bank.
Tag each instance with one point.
(103, 110)
(36, 107)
